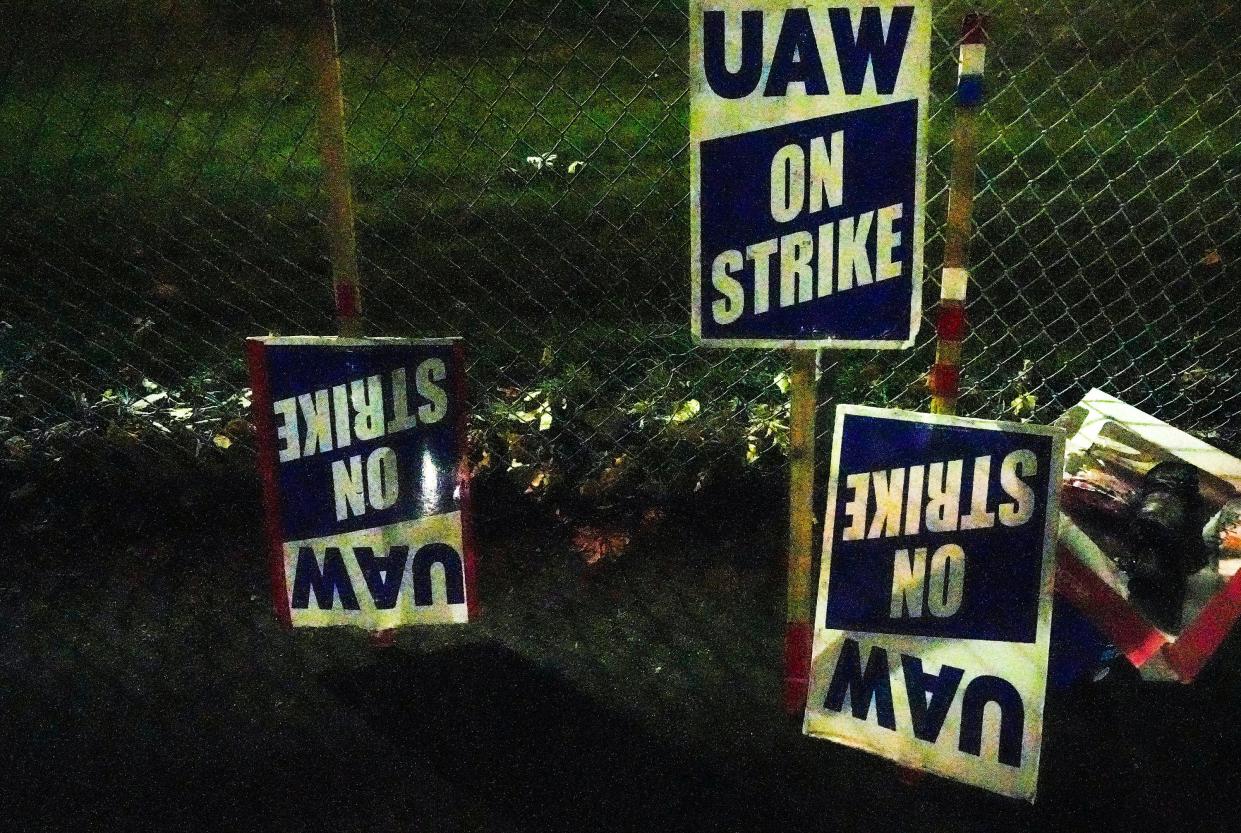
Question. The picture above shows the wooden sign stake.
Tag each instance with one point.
(342, 240)
(799, 613)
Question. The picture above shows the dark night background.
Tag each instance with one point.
(520, 172)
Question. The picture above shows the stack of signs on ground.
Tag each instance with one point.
(807, 161)
(934, 612)
(361, 452)
(1151, 538)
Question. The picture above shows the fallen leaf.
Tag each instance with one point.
(596, 543)
(687, 411)
(1023, 405)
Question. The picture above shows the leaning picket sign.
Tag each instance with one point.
(365, 485)
(807, 171)
(935, 593)
(1153, 562)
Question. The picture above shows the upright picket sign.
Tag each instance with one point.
(807, 171)
(807, 177)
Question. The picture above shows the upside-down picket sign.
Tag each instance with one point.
(365, 487)
(807, 171)
(934, 613)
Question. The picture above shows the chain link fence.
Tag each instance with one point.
(520, 170)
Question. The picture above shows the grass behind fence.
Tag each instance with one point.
(162, 202)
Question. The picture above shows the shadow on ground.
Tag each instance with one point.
(154, 691)
(539, 752)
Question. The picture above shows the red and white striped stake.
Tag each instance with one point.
(950, 326)
(1198, 642)
(944, 379)
(799, 630)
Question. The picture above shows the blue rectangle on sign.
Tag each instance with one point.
(939, 530)
(347, 414)
(807, 229)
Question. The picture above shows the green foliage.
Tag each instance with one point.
(570, 438)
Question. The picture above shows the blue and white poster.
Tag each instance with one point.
(807, 171)
(934, 610)
(361, 453)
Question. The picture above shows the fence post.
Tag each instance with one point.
(342, 239)
(945, 377)
(803, 384)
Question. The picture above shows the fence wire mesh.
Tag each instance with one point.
(520, 170)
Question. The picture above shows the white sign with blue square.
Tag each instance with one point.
(934, 612)
(807, 169)
(365, 479)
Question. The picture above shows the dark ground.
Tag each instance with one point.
(152, 689)
(160, 202)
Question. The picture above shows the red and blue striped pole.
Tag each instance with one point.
(950, 325)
